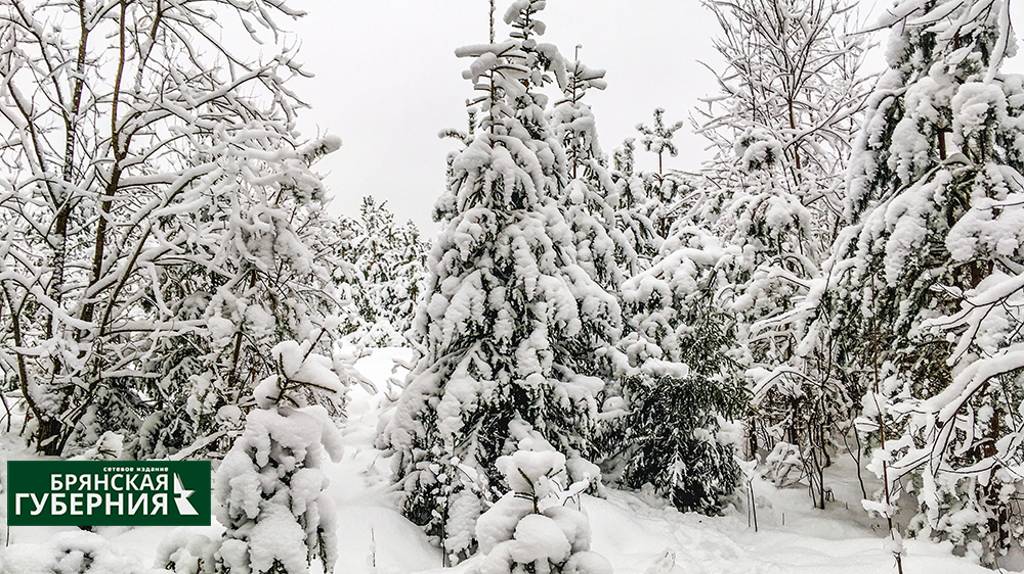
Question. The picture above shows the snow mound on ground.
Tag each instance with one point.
(71, 553)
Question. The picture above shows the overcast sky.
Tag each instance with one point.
(387, 81)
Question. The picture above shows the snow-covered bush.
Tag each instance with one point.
(784, 464)
(184, 552)
(77, 552)
(779, 130)
(538, 526)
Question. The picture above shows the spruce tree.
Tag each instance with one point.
(633, 206)
(509, 320)
(925, 255)
(374, 246)
(387, 261)
(274, 505)
(410, 258)
(665, 187)
(685, 376)
(602, 249)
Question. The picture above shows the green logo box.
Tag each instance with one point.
(108, 493)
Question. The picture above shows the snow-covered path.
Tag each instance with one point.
(372, 533)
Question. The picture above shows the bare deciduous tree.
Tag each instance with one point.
(156, 202)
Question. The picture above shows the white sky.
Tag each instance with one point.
(387, 81)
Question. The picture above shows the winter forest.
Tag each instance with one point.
(801, 352)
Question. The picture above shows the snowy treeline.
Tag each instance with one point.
(843, 278)
(379, 265)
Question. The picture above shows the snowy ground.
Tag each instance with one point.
(638, 534)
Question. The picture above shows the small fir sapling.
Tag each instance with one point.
(674, 433)
(665, 188)
(273, 492)
(538, 526)
(683, 379)
(271, 487)
(602, 250)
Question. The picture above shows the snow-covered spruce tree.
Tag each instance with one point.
(685, 377)
(373, 244)
(602, 249)
(509, 325)
(632, 206)
(674, 433)
(573, 120)
(410, 268)
(538, 526)
(779, 129)
(658, 138)
(156, 209)
(665, 188)
(271, 487)
(591, 202)
(934, 225)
